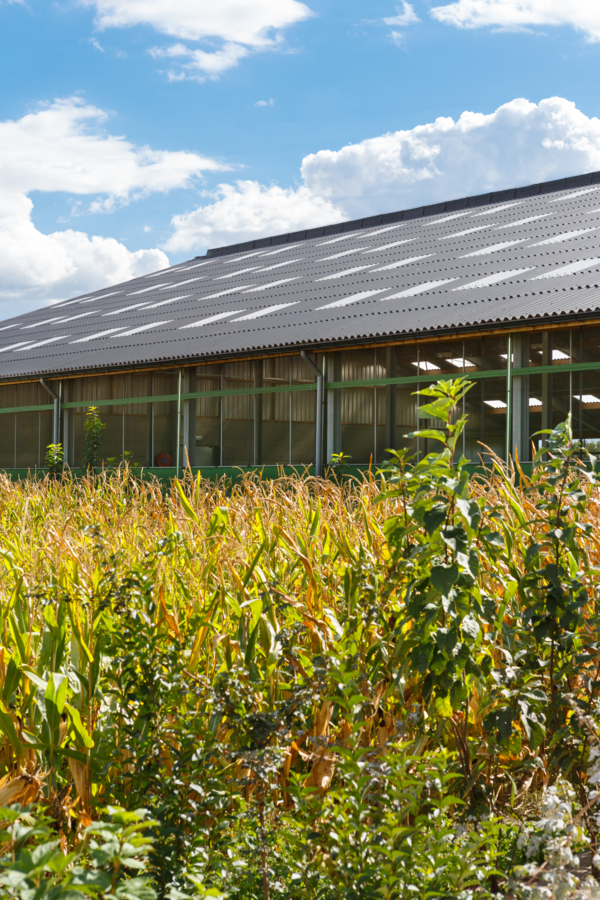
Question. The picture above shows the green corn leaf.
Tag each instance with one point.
(13, 676)
(7, 727)
(35, 677)
(189, 510)
(78, 726)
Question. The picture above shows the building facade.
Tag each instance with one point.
(211, 363)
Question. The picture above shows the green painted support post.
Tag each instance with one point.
(509, 367)
(178, 446)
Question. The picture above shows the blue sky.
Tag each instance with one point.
(137, 133)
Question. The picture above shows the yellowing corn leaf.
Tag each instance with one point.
(23, 789)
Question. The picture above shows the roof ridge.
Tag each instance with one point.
(543, 187)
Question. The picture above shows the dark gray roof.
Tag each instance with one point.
(526, 254)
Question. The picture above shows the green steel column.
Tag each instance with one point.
(508, 396)
(178, 445)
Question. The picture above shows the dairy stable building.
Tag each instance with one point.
(288, 350)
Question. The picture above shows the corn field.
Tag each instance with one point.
(383, 687)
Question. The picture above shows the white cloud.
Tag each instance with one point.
(398, 38)
(249, 210)
(63, 147)
(408, 16)
(519, 143)
(241, 26)
(270, 102)
(198, 65)
(583, 15)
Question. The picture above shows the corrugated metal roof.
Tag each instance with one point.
(527, 254)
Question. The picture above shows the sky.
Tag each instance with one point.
(135, 134)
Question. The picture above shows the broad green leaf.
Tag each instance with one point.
(78, 726)
(443, 578)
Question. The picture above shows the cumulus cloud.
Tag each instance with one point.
(63, 147)
(249, 210)
(240, 25)
(519, 143)
(584, 15)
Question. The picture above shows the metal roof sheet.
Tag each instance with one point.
(475, 262)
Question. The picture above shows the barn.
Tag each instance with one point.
(291, 349)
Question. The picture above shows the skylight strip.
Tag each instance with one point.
(43, 322)
(569, 270)
(419, 289)
(427, 366)
(176, 284)
(263, 287)
(12, 346)
(104, 296)
(565, 236)
(233, 274)
(99, 334)
(153, 287)
(77, 300)
(288, 262)
(197, 265)
(345, 272)
(447, 218)
(142, 328)
(265, 312)
(170, 300)
(174, 270)
(59, 337)
(403, 262)
(493, 279)
(461, 363)
(523, 221)
(115, 312)
(394, 244)
(493, 249)
(345, 301)
(209, 319)
(343, 237)
(387, 228)
(280, 249)
(234, 290)
(229, 262)
(79, 316)
(590, 190)
(495, 209)
(14, 325)
(446, 237)
(343, 253)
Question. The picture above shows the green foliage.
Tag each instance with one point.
(369, 692)
(34, 866)
(93, 428)
(389, 830)
(55, 459)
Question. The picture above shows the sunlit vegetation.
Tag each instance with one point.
(376, 688)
